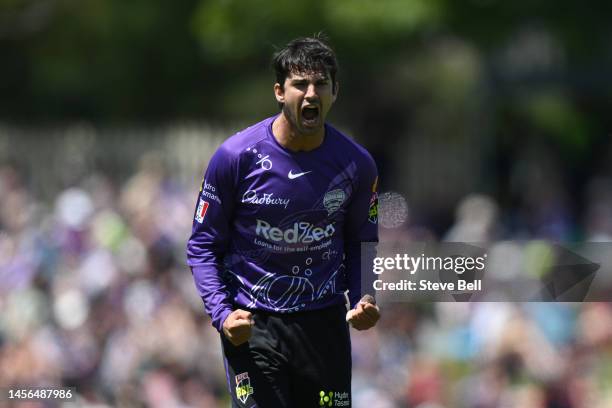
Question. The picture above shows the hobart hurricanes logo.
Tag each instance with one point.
(300, 232)
(243, 387)
(333, 200)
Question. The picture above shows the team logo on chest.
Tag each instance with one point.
(333, 200)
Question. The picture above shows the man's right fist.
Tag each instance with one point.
(237, 326)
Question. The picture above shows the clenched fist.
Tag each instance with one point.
(237, 326)
(365, 315)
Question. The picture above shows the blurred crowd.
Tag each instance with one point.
(95, 294)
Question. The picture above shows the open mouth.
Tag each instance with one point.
(310, 114)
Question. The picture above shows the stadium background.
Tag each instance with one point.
(491, 118)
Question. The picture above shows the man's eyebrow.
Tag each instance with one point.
(318, 80)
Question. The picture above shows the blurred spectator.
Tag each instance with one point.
(94, 294)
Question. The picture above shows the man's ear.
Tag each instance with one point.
(279, 93)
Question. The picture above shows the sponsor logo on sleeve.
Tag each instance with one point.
(333, 200)
(201, 211)
(209, 191)
(243, 387)
(373, 210)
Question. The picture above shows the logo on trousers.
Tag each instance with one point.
(334, 399)
(243, 387)
(325, 399)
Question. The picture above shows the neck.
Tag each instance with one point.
(290, 138)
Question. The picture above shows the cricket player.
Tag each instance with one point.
(276, 243)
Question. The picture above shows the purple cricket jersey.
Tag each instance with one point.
(281, 231)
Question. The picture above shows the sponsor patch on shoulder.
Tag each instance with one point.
(201, 211)
(373, 210)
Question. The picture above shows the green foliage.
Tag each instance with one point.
(553, 113)
(117, 60)
(390, 18)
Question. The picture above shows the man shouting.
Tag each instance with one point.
(276, 242)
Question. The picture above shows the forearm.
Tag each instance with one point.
(214, 293)
(360, 277)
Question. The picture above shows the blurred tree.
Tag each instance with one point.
(111, 60)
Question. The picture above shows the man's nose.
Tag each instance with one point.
(311, 92)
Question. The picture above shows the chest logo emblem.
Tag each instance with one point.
(333, 200)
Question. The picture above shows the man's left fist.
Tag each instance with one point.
(365, 314)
